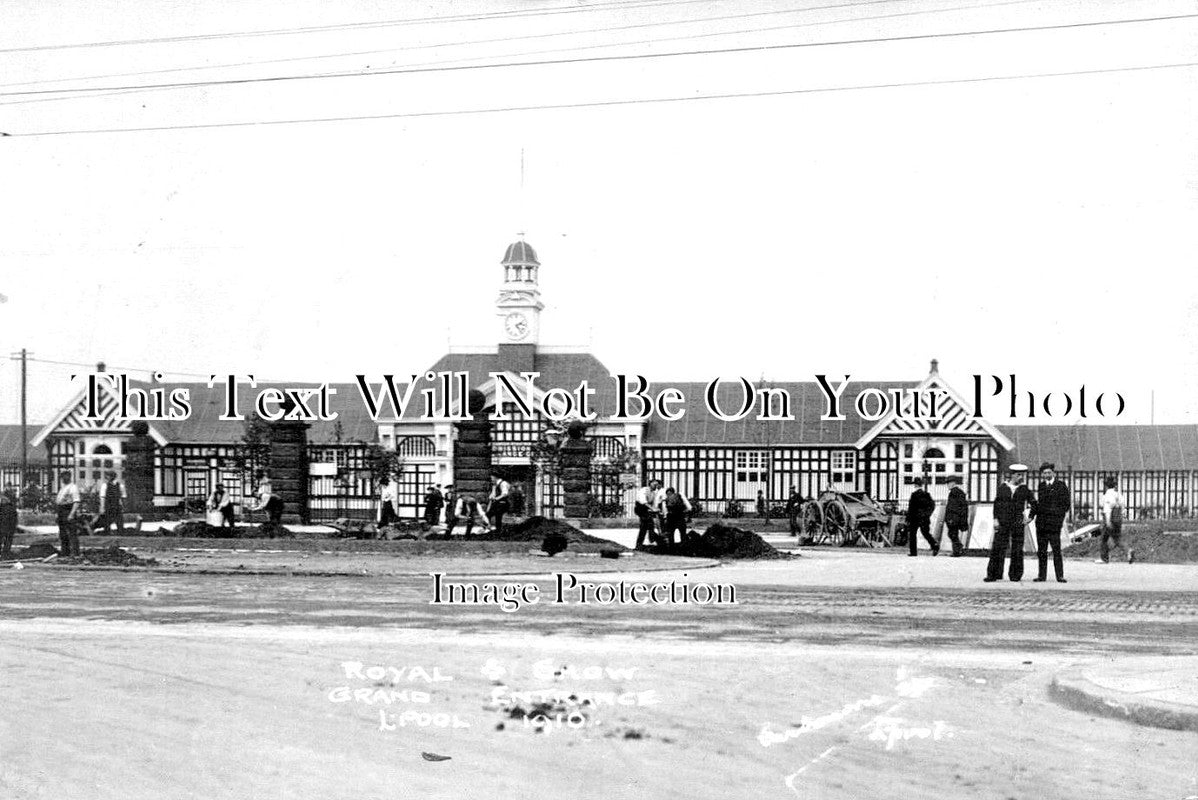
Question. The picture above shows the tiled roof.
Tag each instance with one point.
(808, 404)
(10, 445)
(1096, 447)
(1105, 447)
(204, 427)
(558, 371)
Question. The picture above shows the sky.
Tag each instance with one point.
(1040, 226)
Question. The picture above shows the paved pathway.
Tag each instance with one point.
(1161, 691)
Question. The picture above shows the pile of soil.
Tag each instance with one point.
(1150, 546)
(361, 529)
(535, 529)
(722, 541)
(198, 529)
(33, 551)
(108, 557)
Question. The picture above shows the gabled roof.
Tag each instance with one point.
(73, 418)
(558, 371)
(1106, 448)
(203, 425)
(953, 416)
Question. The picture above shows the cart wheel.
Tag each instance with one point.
(836, 523)
(813, 521)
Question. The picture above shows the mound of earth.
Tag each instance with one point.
(722, 541)
(364, 529)
(108, 557)
(198, 529)
(34, 551)
(1150, 546)
(535, 529)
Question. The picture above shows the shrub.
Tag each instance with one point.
(733, 509)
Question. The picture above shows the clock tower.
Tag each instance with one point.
(519, 307)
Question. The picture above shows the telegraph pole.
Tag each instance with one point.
(23, 357)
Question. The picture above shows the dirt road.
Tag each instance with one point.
(134, 685)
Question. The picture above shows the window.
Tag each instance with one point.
(937, 466)
(843, 466)
(415, 446)
(516, 436)
(752, 466)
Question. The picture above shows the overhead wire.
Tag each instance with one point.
(164, 372)
(366, 25)
(602, 103)
(625, 57)
(441, 45)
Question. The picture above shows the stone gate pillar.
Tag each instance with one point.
(575, 461)
(137, 470)
(289, 468)
(472, 452)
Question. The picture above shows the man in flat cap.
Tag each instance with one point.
(956, 514)
(1052, 506)
(1013, 506)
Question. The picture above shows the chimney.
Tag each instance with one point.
(935, 367)
(101, 366)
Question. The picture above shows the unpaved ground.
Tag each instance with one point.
(138, 684)
(311, 556)
(125, 710)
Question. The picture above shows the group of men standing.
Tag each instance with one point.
(71, 517)
(457, 507)
(661, 514)
(1014, 507)
(920, 508)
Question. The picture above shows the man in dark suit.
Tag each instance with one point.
(956, 515)
(1010, 502)
(1052, 508)
(794, 507)
(919, 518)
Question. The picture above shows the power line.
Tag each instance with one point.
(165, 372)
(629, 57)
(122, 369)
(513, 14)
(605, 103)
(438, 45)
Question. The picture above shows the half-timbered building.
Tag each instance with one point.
(714, 463)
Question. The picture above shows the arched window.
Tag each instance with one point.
(415, 446)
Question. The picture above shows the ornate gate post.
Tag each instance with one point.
(472, 452)
(289, 468)
(138, 469)
(576, 456)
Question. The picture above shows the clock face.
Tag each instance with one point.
(516, 325)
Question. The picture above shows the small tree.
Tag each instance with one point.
(253, 452)
(546, 452)
(381, 462)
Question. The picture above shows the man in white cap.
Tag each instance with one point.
(1010, 518)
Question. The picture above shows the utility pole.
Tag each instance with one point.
(23, 357)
